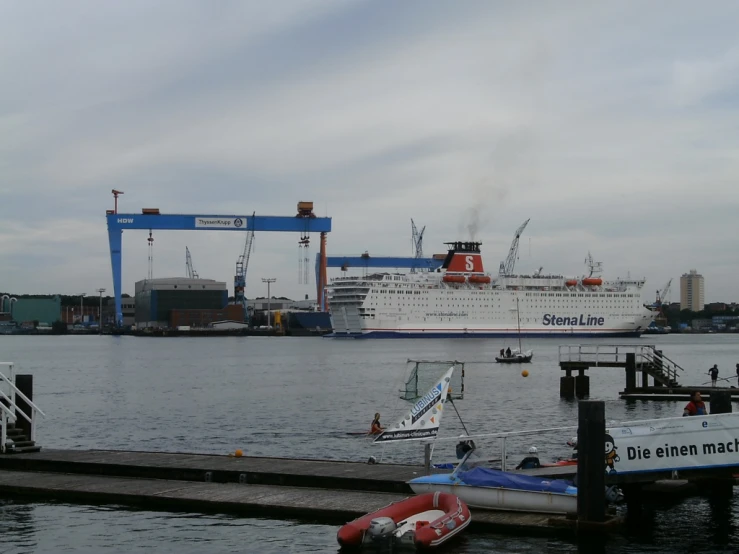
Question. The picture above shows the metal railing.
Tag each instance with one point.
(645, 354)
(663, 365)
(503, 436)
(602, 353)
(9, 409)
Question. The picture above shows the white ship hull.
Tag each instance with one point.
(475, 305)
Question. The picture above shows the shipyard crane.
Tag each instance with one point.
(662, 293)
(417, 241)
(241, 266)
(506, 268)
(191, 273)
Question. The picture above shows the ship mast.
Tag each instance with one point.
(518, 317)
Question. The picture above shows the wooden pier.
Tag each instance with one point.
(330, 491)
(650, 375)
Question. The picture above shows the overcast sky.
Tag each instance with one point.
(612, 125)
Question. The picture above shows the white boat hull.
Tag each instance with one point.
(510, 500)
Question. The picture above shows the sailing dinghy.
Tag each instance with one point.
(517, 356)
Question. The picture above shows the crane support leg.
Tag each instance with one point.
(115, 238)
(322, 276)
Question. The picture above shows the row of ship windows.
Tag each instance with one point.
(466, 316)
(473, 306)
(529, 294)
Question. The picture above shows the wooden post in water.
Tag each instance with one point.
(567, 385)
(25, 385)
(720, 486)
(582, 385)
(591, 480)
(720, 402)
(630, 372)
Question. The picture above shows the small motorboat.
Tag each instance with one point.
(424, 521)
(516, 357)
(492, 489)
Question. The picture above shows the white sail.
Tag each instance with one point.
(422, 422)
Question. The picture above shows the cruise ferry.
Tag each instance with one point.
(460, 300)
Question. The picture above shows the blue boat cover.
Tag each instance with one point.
(484, 477)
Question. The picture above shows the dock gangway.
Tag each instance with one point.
(18, 415)
(647, 359)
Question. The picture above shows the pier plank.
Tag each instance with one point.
(337, 506)
(164, 465)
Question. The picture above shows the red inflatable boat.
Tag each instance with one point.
(426, 521)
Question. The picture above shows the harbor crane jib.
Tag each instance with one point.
(506, 267)
(152, 219)
(242, 264)
(191, 273)
(662, 293)
(417, 240)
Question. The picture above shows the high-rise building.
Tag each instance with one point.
(691, 291)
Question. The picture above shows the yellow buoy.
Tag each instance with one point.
(238, 453)
(525, 373)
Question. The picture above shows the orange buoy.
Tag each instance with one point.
(525, 373)
(238, 453)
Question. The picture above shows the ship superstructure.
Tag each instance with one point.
(461, 300)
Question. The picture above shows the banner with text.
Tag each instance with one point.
(220, 222)
(673, 444)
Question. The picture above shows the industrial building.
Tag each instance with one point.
(157, 301)
(692, 291)
(43, 310)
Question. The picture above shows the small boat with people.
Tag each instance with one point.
(424, 521)
(514, 356)
(517, 355)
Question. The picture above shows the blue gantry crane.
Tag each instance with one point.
(365, 261)
(304, 222)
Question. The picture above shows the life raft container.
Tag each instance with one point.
(408, 521)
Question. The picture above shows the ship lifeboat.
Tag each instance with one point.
(425, 521)
(479, 279)
(571, 282)
(592, 282)
(454, 278)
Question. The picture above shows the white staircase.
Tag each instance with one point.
(18, 415)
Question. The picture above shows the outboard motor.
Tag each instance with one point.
(381, 534)
(381, 528)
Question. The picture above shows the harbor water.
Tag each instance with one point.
(301, 397)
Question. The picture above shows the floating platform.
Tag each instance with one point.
(334, 492)
(676, 393)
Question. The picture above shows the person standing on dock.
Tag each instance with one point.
(696, 406)
(713, 372)
(737, 374)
